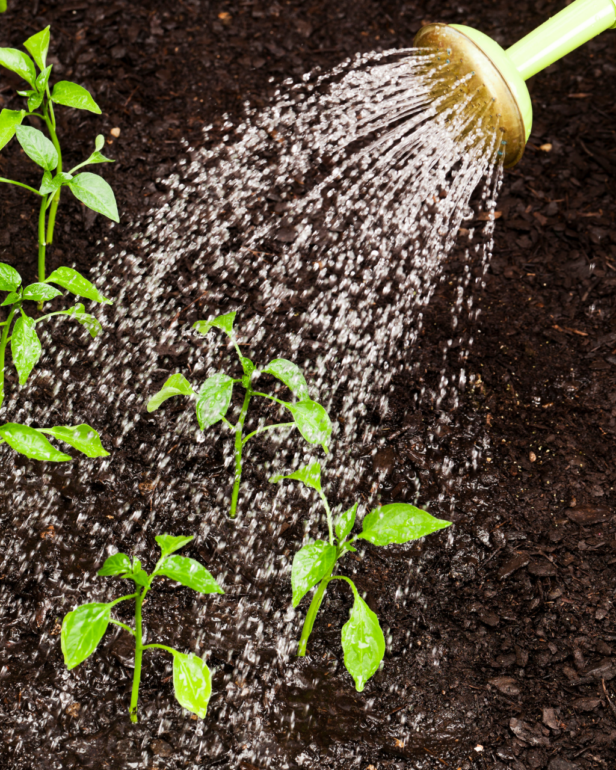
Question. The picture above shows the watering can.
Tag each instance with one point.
(499, 76)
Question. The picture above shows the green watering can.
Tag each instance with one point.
(498, 76)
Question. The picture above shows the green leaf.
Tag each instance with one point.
(34, 101)
(72, 281)
(50, 184)
(11, 298)
(25, 347)
(92, 324)
(18, 62)
(224, 322)
(249, 369)
(71, 95)
(40, 292)
(81, 437)
(2, 6)
(43, 79)
(312, 421)
(140, 577)
(9, 278)
(31, 443)
(99, 143)
(37, 46)
(344, 522)
(291, 375)
(115, 565)
(363, 642)
(214, 399)
(37, 147)
(95, 193)
(82, 630)
(310, 565)
(310, 475)
(192, 682)
(399, 523)
(176, 385)
(189, 573)
(98, 157)
(9, 120)
(168, 543)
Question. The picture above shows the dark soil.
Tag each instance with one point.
(503, 655)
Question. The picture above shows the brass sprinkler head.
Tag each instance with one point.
(494, 81)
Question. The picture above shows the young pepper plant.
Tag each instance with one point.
(19, 328)
(214, 398)
(85, 626)
(363, 642)
(91, 189)
(32, 443)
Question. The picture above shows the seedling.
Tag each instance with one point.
(363, 642)
(85, 626)
(91, 189)
(32, 443)
(20, 328)
(214, 398)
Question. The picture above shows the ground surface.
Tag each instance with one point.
(511, 656)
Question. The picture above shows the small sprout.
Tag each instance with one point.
(362, 639)
(84, 627)
(214, 398)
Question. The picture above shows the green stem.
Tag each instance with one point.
(41, 243)
(19, 184)
(269, 427)
(123, 625)
(51, 126)
(3, 341)
(239, 445)
(138, 655)
(311, 615)
(329, 517)
(159, 647)
(271, 398)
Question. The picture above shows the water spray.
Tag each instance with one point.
(499, 76)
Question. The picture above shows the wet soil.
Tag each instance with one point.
(502, 655)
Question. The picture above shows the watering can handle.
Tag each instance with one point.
(572, 27)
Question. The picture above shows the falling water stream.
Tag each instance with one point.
(336, 207)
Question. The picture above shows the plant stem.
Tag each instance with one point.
(159, 647)
(329, 518)
(239, 445)
(3, 341)
(269, 427)
(20, 184)
(138, 655)
(311, 615)
(41, 243)
(51, 126)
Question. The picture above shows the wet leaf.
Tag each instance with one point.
(82, 630)
(42, 80)
(34, 100)
(9, 278)
(74, 282)
(11, 298)
(50, 184)
(37, 147)
(31, 443)
(224, 322)
(214, 399)
(311, 564)
(189, 573)
(176, 385)
(168, 543)
(291, 375)
(92, 324)
(25, 347)
(399, 523)
(95, 193)
(81, 437)
(344, 522)
(312, 421)
(9, 120)
(18, 62)
(310, 475)
(40, 292)
(363, 642)
(249, 369)
(192, 683)
(71, 95)
(115, 565)
(37, 46)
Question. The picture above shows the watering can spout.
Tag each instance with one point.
(500, 74)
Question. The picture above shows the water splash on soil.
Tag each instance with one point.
(325, 220)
